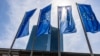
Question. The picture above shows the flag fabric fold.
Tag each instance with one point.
(24, 27)
(89, 19)
(67, 24)
(44, 21)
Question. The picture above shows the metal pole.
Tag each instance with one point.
(49, 39)
(49, 35)
(88, 42)
(9, 53)
(59, 53)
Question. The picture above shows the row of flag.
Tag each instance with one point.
(67, 24)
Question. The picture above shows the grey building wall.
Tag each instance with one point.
(44, 42)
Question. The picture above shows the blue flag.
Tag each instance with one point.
(24, 28)
(67, 24)
(88, 18)
(44, 21)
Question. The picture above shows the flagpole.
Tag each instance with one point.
(9, 53)
(49, 40)
(88, 42)
(49, 37)
(59, 53)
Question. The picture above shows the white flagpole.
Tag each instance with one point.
(88, 42)
(49, 37)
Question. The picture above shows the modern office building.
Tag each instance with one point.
(44, 42)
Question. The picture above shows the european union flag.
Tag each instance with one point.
(89, 19)
(67, 24)
(44, 21)
(24, 27)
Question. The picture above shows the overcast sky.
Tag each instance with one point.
(12, 12)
